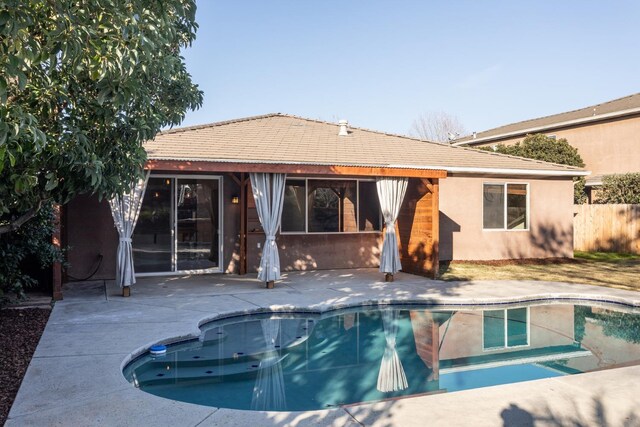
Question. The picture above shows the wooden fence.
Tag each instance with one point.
(608, 228)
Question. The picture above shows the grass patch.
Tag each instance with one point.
(605, 256)
(621, 271)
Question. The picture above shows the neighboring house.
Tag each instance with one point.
(198, 214)
(607, 135)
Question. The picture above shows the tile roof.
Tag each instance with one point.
(286, 139)
(600, 111)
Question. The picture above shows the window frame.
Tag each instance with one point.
(306, 231)
(506, 345)
(505, 185)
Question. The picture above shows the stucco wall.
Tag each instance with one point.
(606, 147)
(319, 251)
(462, 237)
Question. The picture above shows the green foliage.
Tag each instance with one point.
(605, 256)
(82, 84)
(624, 188)
(625, 326)
(547, 149)
(31, 241)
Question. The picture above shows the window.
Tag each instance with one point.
(505, 328)
(294, 206)
(330, 206)
(505, 207)
(369, 218)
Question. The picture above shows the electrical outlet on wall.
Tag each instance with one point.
(258, 245)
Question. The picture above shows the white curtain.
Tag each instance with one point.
(268, 392)
(268, 193)
(391, 376)
(125, 209)
(390, 193)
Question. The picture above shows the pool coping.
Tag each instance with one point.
(357, 414)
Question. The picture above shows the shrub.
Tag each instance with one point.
(31, 241)
(623, 188)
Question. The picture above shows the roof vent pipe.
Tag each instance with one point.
(343, 128)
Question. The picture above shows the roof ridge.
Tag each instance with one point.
(220, 123)
(410, 138)
(268, 115)
(398, 135)
(551, 115)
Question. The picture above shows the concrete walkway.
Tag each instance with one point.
(75, 377)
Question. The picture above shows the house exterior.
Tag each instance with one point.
(198, 214)
(607, 135)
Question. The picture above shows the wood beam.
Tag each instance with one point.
(435, 225)
(57, 267)
(427, 183)
(243, 223)
(234, 177)
(220, 167)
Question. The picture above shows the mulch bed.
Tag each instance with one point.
(20, 331)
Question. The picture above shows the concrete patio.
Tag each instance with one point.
(75, 377)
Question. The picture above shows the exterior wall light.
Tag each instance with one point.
(235, 200)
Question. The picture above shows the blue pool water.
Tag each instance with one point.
(298, 361)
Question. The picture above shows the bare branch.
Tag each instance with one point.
(437, 127)
(17, 223)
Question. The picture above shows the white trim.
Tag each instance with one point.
(506, 330)
(498, 171)
(550, 126)
(521, 361)
(505, 189)
(454, 169)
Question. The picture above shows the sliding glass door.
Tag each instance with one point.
(153, 236)
(179, 229)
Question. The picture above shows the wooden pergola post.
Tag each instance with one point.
(243, 201)
(243, 223)
(435, 226)
(57, 267)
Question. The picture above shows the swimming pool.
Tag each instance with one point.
(305, 361)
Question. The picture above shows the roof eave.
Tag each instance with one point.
(537, 129)
(423, 171)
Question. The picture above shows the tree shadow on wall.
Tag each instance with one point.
(625, 217)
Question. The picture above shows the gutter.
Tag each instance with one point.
(448, 169)
(536, 129)
(518, 171)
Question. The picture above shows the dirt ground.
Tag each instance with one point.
(20, 331)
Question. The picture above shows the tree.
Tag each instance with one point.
(82, 85)
(547, 149)
(437, 127)
(620, 188)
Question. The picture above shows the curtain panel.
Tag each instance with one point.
(391, 194)
(391, 376)
(268, 193)
(125, 209)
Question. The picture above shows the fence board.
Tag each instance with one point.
(609, 228)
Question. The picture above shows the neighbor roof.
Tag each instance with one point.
(610, 109)
(285, 139)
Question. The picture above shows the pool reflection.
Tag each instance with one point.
(301, 362)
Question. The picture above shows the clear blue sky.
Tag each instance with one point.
(380, 64)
